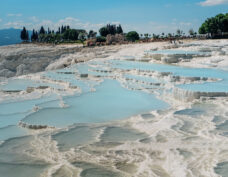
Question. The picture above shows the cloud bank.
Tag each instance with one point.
(148, 27)
(213, 2)
(35, 23)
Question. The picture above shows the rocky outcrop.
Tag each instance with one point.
(23, 59)
(28, 58)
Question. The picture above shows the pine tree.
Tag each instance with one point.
(59, 31)
(119, 30)
(34, 36)
(49, 31)
(92, 34)
(27, 36)
(24, 34)
(62, 30)
(42, 30)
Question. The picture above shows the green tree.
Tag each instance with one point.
(202, 29)
(73, 34)
(66, 34)
(132, 36)
(179, 32)
(103, 31)
(92, 34)
(82, 36)
(215, 25)
(49, 31)
(24, 35)
(34, 36)
(191, 32)
(101, 39)
(169, 35)
(119, 29)
(42, 30)
(146, 35)
(110, 29)
(70, 34)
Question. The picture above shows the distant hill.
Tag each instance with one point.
(9, 36)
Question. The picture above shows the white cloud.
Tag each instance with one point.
(68, 20)
(213, 2)
(34, 19)
(0, 20)
(73, 23)
(150, 27)
(17, 24)
(35, 23)
(14, 15)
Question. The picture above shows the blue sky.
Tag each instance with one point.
(152, 16)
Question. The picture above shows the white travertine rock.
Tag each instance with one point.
(6, 73)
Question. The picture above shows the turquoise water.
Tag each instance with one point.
(24, 106)
(219, 86)
(222, 169)
(21, 170)
(78, 136)
(14, 162)
(23, 84)
(119, 134)
(175, 70)
(11, 113)
(12, 131)
(109, 102)
(18, 84)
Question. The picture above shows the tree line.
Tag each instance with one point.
(63, 34)
(66, 34)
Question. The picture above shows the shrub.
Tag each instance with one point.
(101, 39)
(132, 36)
